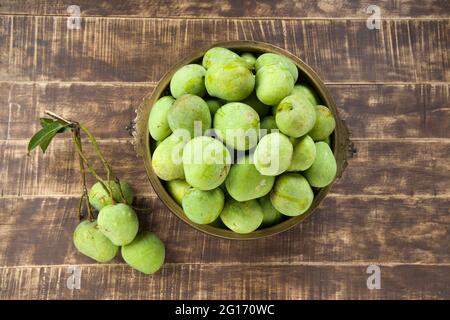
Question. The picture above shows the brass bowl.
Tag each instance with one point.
(143, 146)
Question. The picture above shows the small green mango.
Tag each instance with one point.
(323, 170)
(189, 79)
(167, 157)
(273, 154)
(245, 183)
(271, 215)
(231, 81)
(177, 189)
(219, 56)
(303, 155)
(291, 194)
(272, 58)
(190, 113)
(146, 253)
(203, 207)
(273, 83)
(237, 125)
(324, 124)
(249, 59)
(214, 105)
(242, 217)
(91, 242)
(269, 125)
(305, 91)
(206, 163)
(158, 125)
(119, 223)
(99, 197)
(295, 116)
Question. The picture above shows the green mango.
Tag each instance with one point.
(99, 197)
(220, 56)
(303, 155)
(91, 242)
(203, 206)
(189, 79)
(237, 125)
(291, 194)
(177, 189)
(249, 59)
(119, 223)
(190, 113)
(231, 81)
(245, 183)
(273, 154)
(273, 83)
(271, 215)
(324, 124)
(146, 253)
(158, 125)
(206, 163)
(295, 116)
(307, 92)
(273, 58)
(167, 157)
(253, 101)
(242, 217)
(323, 170)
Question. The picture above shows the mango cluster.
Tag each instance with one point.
(242, 142)
(117, 227)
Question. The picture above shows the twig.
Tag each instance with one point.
(58, 117)
(83, 160)
(109, 171)
(76, 137)
(77, 143)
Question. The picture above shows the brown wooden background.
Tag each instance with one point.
(391, 208)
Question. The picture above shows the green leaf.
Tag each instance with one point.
(44, 136)
(45, 143)
(46, 121)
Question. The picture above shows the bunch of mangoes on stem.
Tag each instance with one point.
(117, 226)
(241, 141)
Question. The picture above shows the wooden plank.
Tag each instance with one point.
(113, 105)
(227, 282)
(231, 8)
(380, 111)
(43, 48)
(406, 168)
(38, 231)
(394, 111)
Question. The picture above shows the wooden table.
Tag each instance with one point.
(390, 209)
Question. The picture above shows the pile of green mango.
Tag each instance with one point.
(241, 142)
(117, 226)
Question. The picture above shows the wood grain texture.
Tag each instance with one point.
(43, 48)
(342, 230)
(113, 105)
(391, 207)
(382, 111)
(227, 282)
(417, 168)
(231, 8)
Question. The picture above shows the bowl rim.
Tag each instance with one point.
(340, 138)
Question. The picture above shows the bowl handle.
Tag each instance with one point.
(139, 127)
(344, 146)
